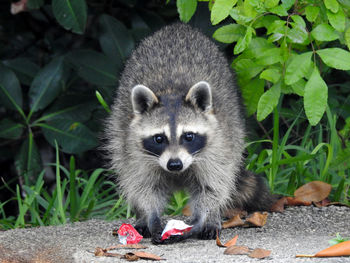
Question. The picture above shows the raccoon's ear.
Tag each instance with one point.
(142, 99)
(200, 96)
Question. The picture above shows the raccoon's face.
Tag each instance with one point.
(171, 128)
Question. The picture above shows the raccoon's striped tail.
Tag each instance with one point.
(252, 193)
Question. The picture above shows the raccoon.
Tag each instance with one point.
(177, 123)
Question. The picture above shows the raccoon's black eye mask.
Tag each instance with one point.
(156, 144)
(193, 142)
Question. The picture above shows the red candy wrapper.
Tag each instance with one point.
(128, 235)
(175, 227)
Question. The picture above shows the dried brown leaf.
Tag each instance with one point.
(278, 206)
(134, 246)
(314, 191)
(293, 201)
(237, 250)
(131, 257)
(231, 242)
(186, 211)
(218, 242)
(99, 252)
(260, 253)
(257, 219)
(232, 212)
(233, 222)
(146, 255)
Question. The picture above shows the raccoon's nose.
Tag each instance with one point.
(174, 165)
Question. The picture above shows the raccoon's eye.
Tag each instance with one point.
(158, 138)
(189, 136)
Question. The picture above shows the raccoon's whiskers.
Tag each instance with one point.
(151, 153)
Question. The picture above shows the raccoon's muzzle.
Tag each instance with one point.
(174, 165)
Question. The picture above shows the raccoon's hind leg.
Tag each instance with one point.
(252, 193)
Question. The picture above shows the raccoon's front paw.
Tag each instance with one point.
(143, 230)
(209, 231)
(157, 238)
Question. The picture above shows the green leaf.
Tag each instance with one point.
(34, 4)
(324, 32)
(244, 42)
(271, 3)
(115, 40)
(279, 10)
(247, 69)
(25, 69)
(297, 35)
(287, 4)
(299, 21)
(47, 84)
(71, 14)
(335, 58)
(312, 12)
(299, 86)
(94, 67)
(186, 9)
(251, 93)
(332, 5)
(272, 74)
(28, 161)
(10, 129)
(269, 57)
(73, 137)
(237, 15)
(274, 26)
(70, 107)
(229, 33)
(315, 97)
(268, 101)
(221, 10)
(257, 47)
(10, 89)
(337, 20)
(347, 37)
(298, 67)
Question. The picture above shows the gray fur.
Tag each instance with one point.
(169, 63)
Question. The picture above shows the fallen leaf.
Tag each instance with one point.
(100, 252)
(237, 250)
(293, 201)
(233, 222)
(186, 211)
(278, 206)
(232, 212)
(257, 219)
(135, 246)
(146, 255)
(231, 242)
(260, 253)
(314, 191)
(18, 7)
(337, 250)
(218, 242)
(131, 257)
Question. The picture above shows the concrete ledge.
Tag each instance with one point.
(299, 230)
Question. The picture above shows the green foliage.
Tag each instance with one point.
(78, 195)
(291, 28)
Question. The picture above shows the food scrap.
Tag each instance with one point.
(128, 234)
(175, 227)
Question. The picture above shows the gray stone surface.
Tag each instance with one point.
(299, 230)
